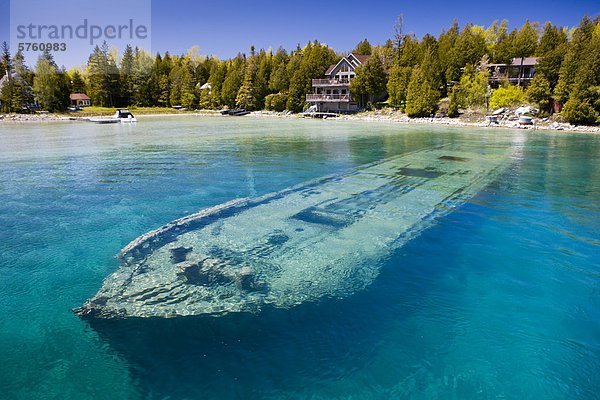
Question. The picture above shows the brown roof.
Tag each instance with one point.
(527, 62)
(79, 96)
(363, 58)
(331, 67)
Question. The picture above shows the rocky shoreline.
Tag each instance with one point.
(370, 116)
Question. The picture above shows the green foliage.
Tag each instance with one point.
(363, 47)
(525, 41)
(507, 96)
(454, 104)
(551, 52)
(103, 77)
(539, 92)
(580, 112)
(310, 62)
(233, 81)
(398, 86)
(472, 88)
(50, 85)
(126, 76)
(247, 94)
(574, 60)
(370, 80)
(422, 96)
(419, 72)
(183, 89)
(77, 82)
(276, 102)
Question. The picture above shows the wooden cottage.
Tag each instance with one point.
(332, 93)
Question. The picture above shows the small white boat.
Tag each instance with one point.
(525, 120)
(121, 116)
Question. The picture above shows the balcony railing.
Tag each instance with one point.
(330, 82)
(328, 97)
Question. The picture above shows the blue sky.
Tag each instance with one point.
(223, 28)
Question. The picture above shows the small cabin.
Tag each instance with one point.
(80, 100)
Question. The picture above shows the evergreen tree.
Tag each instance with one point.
(142, 67)
(573, 59)
(311, 61)
(551, 52)
(370, 80)
(233, 81)
(422, 95)
(50, 85)
(539, 92)
(473, 87)
(183, 89)
(247, 95)
(216, 80)
(103, 77)
(126, 76)
(525, 44)
(496, 41)
(363, 47)
(77, 82)
(397, 86)
(6, 95)
(583, 106)
(279, 80)
(450, 69)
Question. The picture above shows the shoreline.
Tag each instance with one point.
(369, 116)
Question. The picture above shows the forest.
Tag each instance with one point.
(407, 73)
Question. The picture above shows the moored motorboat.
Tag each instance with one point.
(120, 116)
(237, 112)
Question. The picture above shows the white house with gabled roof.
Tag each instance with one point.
(332, 93)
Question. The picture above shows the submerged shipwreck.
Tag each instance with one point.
(323, 238)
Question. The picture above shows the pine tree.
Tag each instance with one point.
(77, 82)
(126, 76)
(472, 88)
(363, 47)
(279, 80)
(247, 94)
(370, 80)
(525, 44)
(583, 106)
(142, 67)
(539, 92)
(103, 77)
(422, 95)
(233, 81)
(397, 86)
(551, 52)
(573, 60)
(50, 85)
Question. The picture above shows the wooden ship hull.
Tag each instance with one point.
(323, 238)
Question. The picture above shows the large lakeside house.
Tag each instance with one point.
(332, 93)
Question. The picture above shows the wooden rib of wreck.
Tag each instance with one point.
(324, 238)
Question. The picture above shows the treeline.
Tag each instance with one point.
(412, 74)
(454, 65)
(275, 80)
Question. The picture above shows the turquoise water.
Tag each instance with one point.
(499, 299)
